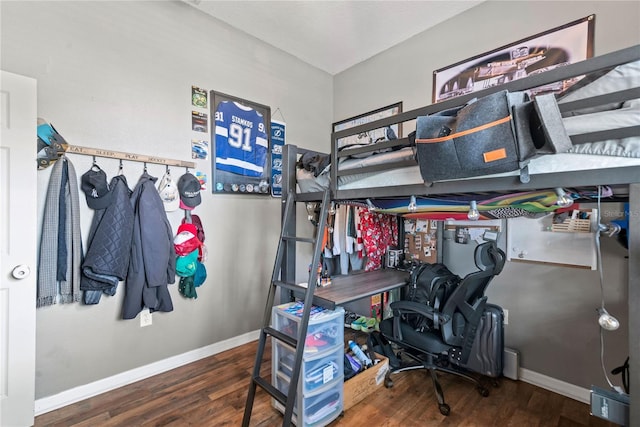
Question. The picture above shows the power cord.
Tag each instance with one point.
(605, 320)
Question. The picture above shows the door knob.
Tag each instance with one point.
(21, 272)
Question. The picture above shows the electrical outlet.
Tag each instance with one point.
(145, 318)
(504, 310)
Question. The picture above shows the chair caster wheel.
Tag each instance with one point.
(483, 391)
(388, 383)
(495, 383)
(444, 409)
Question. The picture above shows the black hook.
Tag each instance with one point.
(120, 168)
(145, 167)
(95, 166)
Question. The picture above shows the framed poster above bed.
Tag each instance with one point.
(567, 44)
(373, 136)
(241, 146)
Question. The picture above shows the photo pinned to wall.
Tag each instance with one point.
(240, 146)
(198, 97)
(199, 149)
(374, 136)
(202, 178)
(463, 234)
(278, 133)
(567, 44)
(199, 121)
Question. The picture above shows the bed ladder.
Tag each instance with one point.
(287, 400)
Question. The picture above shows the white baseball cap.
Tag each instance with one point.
(169, 194)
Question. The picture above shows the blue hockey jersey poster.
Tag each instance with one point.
(241, 149)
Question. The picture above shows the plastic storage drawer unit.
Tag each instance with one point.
(316, 371)
(325, 330)
(319, 391)
(318, 408)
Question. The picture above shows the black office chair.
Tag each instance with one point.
(447, 343)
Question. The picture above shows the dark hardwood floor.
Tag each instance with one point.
(212, 392)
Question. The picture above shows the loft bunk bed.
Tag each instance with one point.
(601, 116)
(396, 174)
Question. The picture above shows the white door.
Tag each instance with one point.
(18, 243)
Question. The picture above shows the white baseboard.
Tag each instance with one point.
(569, 390)
(86, 391)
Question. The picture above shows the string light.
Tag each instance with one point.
(413, 205)
(564, 201)
(473, 213)
(311, 213)
(371, 206)
(607, 321)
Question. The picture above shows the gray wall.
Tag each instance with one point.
(552, 319)
(118, 75)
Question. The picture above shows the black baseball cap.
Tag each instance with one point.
(189, 188)
(96, 189)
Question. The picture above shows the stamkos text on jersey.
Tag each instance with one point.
(243, 122)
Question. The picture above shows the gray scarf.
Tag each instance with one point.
(61, 244)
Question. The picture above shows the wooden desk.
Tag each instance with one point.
(345, 289)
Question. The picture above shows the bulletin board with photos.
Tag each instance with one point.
(240, 138)
(420, 240)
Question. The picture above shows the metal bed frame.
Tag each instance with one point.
(624, 180)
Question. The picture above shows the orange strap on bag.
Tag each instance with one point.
(464, 132)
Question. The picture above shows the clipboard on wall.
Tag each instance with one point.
(466, 232)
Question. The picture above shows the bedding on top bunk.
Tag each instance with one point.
(308, 181)
(585, 156)
(606, 117)
(561, 162)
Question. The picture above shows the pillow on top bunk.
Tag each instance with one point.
(622, 77)
(606, 117)
(309, 183)
(627, 116)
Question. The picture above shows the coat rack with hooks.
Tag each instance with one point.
(76, 149)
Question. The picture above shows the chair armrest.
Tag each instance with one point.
(409, 307)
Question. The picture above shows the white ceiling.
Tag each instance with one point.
(333, 35)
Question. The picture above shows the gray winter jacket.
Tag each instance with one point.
(153, 259)
(109, 244)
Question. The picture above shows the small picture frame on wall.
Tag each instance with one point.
(567, 44)
(373, 136)
(241, 146)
